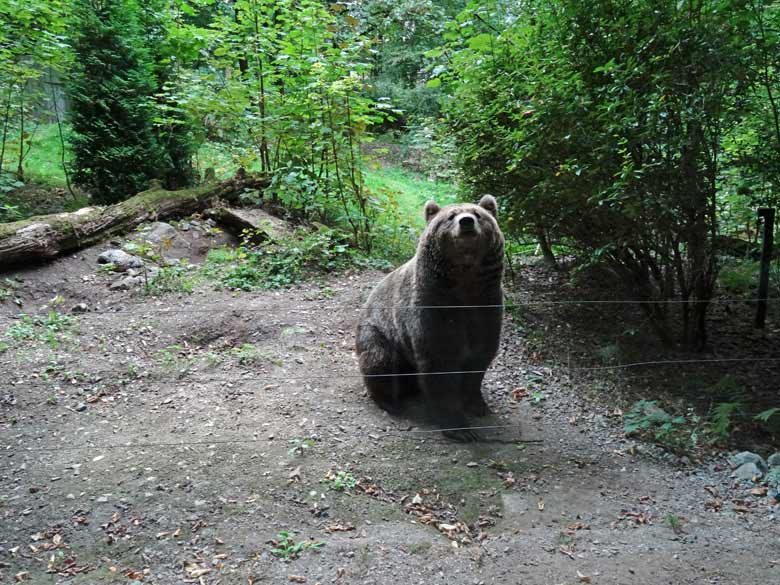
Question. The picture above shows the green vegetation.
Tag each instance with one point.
(247, 354)
(278, 263)
(51, 329)
(340, 480)
(178, 278)
(115, 151)
(625, 131)
(409, 190)
(740, 278)
(287, 549)
(300, 446)
(677, 433)
(674, 522)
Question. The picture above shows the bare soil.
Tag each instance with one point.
(171, 440)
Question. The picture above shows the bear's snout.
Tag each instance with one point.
(467, 223)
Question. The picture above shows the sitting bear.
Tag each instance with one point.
(421, 319)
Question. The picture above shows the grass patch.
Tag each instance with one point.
(171, 279)
(410, 190)
(279, 263)
(43, 163)
(50, 328)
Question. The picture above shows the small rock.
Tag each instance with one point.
(121, 260)
(80, 308)
(160, 232)
(774, 460)
(80, 407)
(740, 459)
(747, 471)
(126, 283)
(773, 494)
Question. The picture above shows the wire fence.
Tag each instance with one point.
(146, 311)
(113, 377)
(375, 435)
(97, 377)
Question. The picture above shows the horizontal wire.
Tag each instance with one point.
(148, 312)
(394, 433)
(236, 381)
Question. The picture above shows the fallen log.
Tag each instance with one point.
(47, 236)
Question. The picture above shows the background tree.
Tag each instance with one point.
(33, 50)
(161, 21)
(603, 124)
(111, 86)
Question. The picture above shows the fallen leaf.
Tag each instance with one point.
(296, 578)
(583, 578)
(339, 527)
(194, 570)
(567, 550)
(518, 394)
(540, 505)
(759, 491)
(714, 505)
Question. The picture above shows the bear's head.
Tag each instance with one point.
(463, 233)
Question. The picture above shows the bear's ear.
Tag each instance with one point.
(431, 209)
(488, 202)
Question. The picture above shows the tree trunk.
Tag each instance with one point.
(544, 245)
(47, 236)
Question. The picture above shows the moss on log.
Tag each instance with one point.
(47, 236)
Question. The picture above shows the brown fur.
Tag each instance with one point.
(459, 263)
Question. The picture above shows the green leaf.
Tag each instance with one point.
(483, 42)
(433, 83)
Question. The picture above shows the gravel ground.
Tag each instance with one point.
(186, 438)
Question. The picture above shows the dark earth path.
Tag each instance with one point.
(172, 441)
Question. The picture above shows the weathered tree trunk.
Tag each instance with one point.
(47, 236)
(544, 245)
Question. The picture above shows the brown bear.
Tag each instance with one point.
(439, 312)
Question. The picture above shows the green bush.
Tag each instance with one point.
(115, 151)
(282, 262)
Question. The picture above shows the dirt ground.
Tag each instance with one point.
(171, 440)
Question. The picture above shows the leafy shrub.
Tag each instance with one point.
(170, 279)
(340, 480)
(49, 329)
(678, 433)
(740, 277)
(8, 212)
(287, 549)
(282, 262)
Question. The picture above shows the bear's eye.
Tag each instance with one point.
(452, 216)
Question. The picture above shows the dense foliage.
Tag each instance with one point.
(110, 88)
(613, 127)
(641, 135)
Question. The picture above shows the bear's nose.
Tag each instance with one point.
(466, 223)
